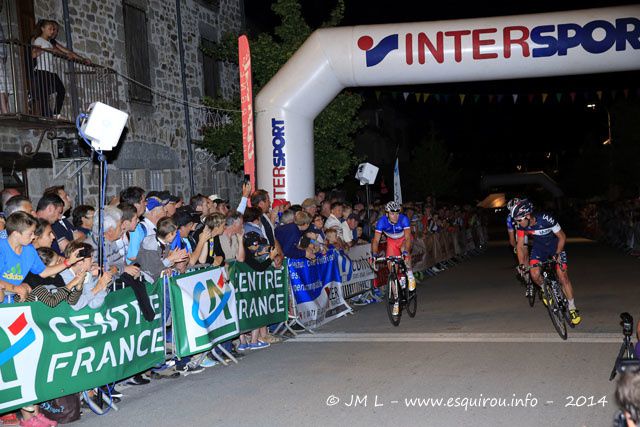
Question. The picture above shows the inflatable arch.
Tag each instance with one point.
(549, 44)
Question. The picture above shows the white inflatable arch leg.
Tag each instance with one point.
(562, 43)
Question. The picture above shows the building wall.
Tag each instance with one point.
(155, 148)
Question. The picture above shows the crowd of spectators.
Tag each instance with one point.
(615, 223)
(49, 252)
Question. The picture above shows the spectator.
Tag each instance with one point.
(232, 238)
(155, 254)
(186, 219)
(44, 236)
(7, 194)
(47, 80)
(287, 217)
(212, 253)
(317, 226)
(278, 207)
(628, 397)
(134, 196)
(15, 204)
(204, 206)
(82, 221)
(50, 208)
(18, 257)
(325, 209)
(289, 235)
(58, 48)
(349, 230)
(94, 287)
(146, 227)
(52, 290)
(334, 219)
(260, 199)
(310, 207)
(332, 240)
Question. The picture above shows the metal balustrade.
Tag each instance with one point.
(51, 89)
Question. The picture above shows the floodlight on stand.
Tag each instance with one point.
(103, 126)
(366, 173)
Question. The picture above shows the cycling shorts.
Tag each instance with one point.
(540, 254)
(394, 247)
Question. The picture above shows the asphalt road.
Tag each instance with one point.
(475, 354)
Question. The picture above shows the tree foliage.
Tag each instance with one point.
(431, 169)
(333, 128)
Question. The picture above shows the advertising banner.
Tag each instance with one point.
(203, 310)
(317, 289)
(262, 296)
(51, 352)
(355, 270)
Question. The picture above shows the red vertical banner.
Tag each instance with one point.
(246, 103)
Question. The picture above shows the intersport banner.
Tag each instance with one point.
(262, 296)
(203, 310)
(317, 289)
(51, 352)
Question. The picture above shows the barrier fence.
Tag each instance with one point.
(51, 352)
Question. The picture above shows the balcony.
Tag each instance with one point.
(33, 95)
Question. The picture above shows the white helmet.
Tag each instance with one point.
(392, 207)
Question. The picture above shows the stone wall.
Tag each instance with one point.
(155, 148)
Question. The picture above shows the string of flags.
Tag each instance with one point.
(542, 97)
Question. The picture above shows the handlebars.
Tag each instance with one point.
(393, 259)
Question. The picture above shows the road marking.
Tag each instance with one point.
(471, 337)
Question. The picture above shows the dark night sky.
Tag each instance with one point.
(486, 138)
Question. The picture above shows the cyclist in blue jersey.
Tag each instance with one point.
(549, 242)
(397, 228)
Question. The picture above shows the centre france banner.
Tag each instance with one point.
(51, 352)
(317, 289)
(262, 296)
(203, 310)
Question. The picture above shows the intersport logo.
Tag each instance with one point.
(594, 37)
(21, 342)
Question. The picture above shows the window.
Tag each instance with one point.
(210, 70)
(157, 180)
(137, 47)
(128, 179)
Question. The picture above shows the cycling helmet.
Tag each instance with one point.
(521, 209)
(392, 207)
(512, 203)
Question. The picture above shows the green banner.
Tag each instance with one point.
(207, 308)
(51, 352)
(203, 310)
(262, 296)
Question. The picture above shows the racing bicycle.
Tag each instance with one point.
(398, 289)
(554, 298)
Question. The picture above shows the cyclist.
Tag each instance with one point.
(397, 227)
(512, 227)
(549, 241)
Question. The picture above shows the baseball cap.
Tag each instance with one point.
(185, 215)
(154, 202)
(278, 202)
(308, 202)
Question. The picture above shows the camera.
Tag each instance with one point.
(247, 179)
(627, 359)
(627, 324)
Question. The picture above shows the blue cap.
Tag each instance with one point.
(153, 203)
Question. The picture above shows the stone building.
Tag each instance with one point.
(136, 44)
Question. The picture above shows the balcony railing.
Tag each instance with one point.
(50, 90)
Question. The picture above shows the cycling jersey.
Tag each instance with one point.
(394, 233)
(546, 242)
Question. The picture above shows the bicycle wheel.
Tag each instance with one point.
(554, 311)
(532, 297)
(412, 301)
(392, 284)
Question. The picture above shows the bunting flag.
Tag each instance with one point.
(498, 98)
(246, 104)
